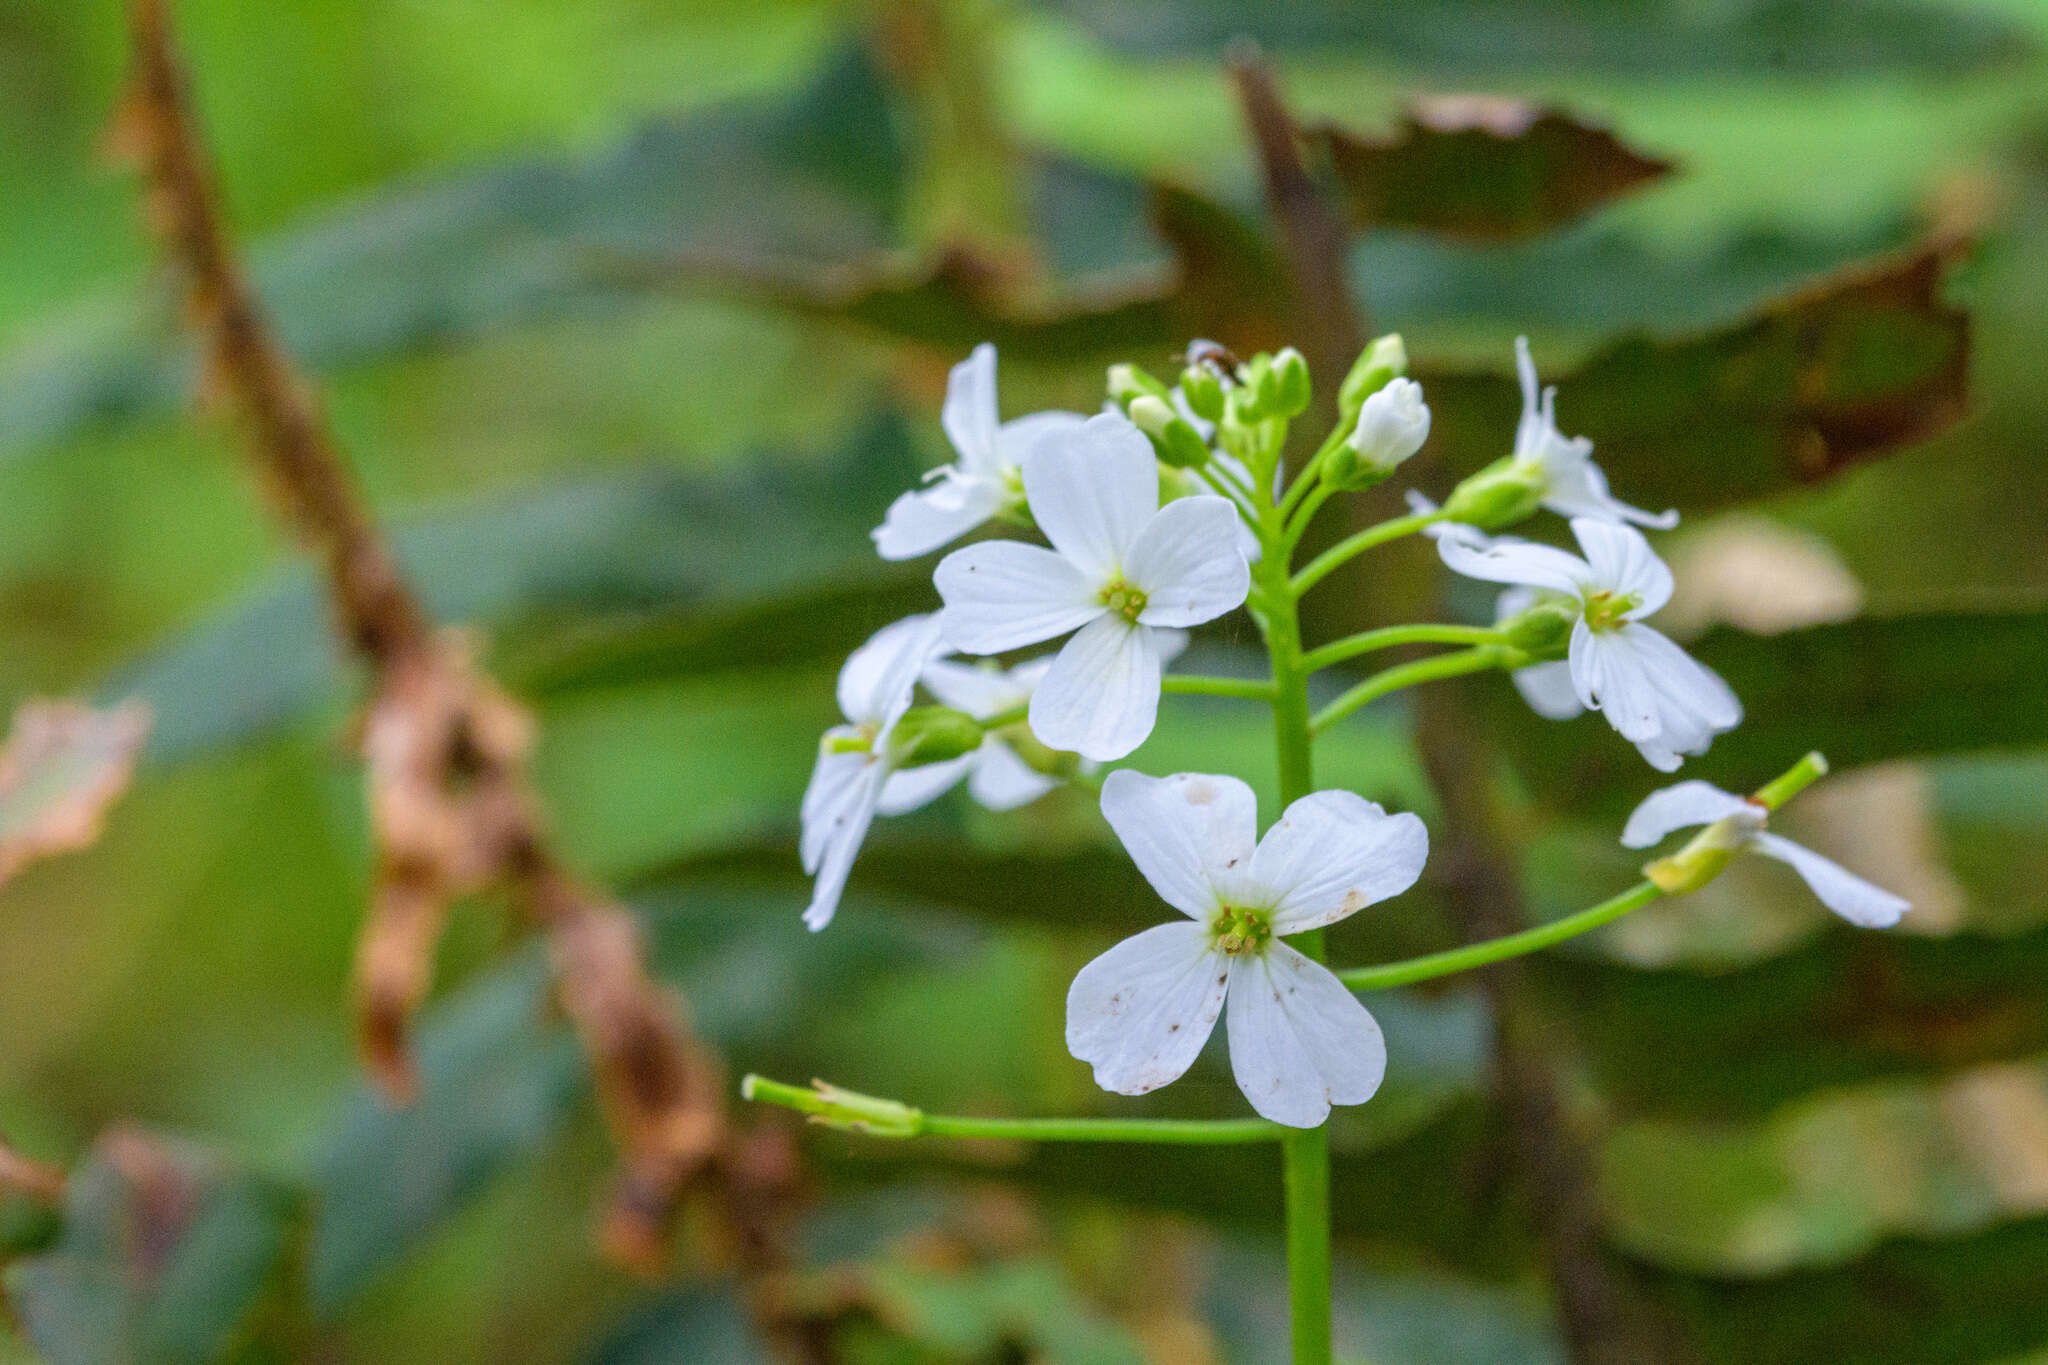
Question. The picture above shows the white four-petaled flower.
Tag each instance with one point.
(1738, 823)
(1299, 1040)
(1121, 570)
(1655, 694)
(1573, 485)
(959, 497)
(854, 759)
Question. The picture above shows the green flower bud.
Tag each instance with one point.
(933, 734)
(1544, 630)
(1392, 425)
(1503, 493)
(1127, 382)
(1258, 389)
(1203, 388)
(1290, 384)
(1174, 440)
(1385, 359)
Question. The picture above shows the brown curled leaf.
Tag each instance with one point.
(64, 765)
(1483, 167)
(661, 1094)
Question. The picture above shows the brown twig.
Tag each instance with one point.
(451, 808)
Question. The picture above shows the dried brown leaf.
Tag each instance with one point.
(64, 764)
(1483, 167)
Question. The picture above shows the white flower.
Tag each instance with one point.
(1738, 824)
(1573, 484)
(1392, 424)
(959, 497)
(1299, 1040)
(1121, 570)
(854, 761)
(1655, 694)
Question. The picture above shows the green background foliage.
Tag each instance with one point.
(634, 316)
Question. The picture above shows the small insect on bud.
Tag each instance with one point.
(1129, 382)
(1174, 438)
(933, 734)
(1503, 493)
(1203, 388)
(1385, 359)
(1290, 384)
(1392, 425)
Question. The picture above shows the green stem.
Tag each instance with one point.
(1414, 969)
(1305, 1152)
(846, 1109)
(1351, 646)
(1473, 660)
(1298, 522)
(1793, 781)
(1357, 544)
(1259, 689)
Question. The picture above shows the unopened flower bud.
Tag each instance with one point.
(1128, 382)
(933, 734)
(1503, 493)
(1290, 384)
(1174, 439)
(1385, 359)
(1392, 425)
(1258, 389)
(1544, 630)
(1203, 389)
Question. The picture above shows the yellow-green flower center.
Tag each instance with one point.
(1606, 609)
(1123, 600)
(1239, 930)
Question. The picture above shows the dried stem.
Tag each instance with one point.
(451, 807)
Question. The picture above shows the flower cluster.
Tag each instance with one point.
(1162, 513)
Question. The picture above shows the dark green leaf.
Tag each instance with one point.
(1482, 168)
(167, 1255)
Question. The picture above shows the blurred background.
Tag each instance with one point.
(632, 317)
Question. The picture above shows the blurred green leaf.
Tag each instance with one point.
(1852, 367)
(1479, 167)
(1641, 37)
(167, 1255)
(616, 543)
(816, 178)
(694, 1325)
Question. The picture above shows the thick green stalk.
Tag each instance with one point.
(1305, 1152)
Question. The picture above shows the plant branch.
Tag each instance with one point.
(451, 808)
(1414, 969)
(849, 1110)
(1258, 689)
(1389, 680)
(1357, 543)
(1387, 637)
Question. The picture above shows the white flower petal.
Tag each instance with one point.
(1299, 1041)
(1140, 1013)
(844, 828)
(1092, 492)
(834, 780)
(877, 680)
(1331, 854)
(1549, 690)
(1840, 890)
(1018, 437)
(1623, 562)
(909, 788)
(1001, 594)
(1696, 689)
(1579, 489)
(1101, 696)
(1003, 781)
(1514, 561)
(1653, 693)
(923, 519)
(1681, 807)
(1186, 833)
(981, 690)
(970, 413)
(1188, 564)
